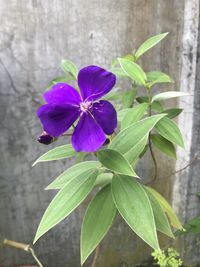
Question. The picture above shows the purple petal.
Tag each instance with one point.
(94, 82)
(105, 115)
(62, 93)
(88, 136)
(57, 119)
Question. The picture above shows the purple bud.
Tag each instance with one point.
(45, 138)
(107, 142)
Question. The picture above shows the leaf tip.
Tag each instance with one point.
(35, 239)
(83, 258)
(34, 163)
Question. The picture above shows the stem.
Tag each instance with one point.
(149, 139)
(35, 257)
(16, 244)
(153, 158)
(25, 247)
(95, 257)
(69, 134)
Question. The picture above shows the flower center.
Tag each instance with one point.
(85, 106)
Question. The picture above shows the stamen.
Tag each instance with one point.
(85, 106)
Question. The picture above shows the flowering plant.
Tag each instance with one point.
(117, 137)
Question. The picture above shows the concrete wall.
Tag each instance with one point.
(35, 37)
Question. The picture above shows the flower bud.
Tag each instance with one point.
(45, 138)
(107, 142)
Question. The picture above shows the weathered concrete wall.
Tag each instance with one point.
(186, 182)
(35, 36)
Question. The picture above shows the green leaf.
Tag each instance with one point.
(149, 43)
(60, 152)
(130, 136)
(172, 112)
(169, 130)
(114, 161)
(156, 105)
(66, 200)
(72, 173)
(168, 95)
(164, 145)
(102, 211)
(167, 208)
(129, 57)
(62, 79)
(103, 179)
(134, 71)
(134, 115)
(134, 206)
(119, 72)
(69, 66)
(121, 113)
(144, 150)
(128, 98)
(114, 95)
(191, 227)
(161, 220)
(134, 153)
(155, 77)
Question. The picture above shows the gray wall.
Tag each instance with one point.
(35, 37)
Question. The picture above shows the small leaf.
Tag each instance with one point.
(114, 161)
(155, 77)
(72, 173)
(60, 152)
(102, 211)
(66, 200)
(130, 136)
(62, 79)
(169, 130)
(161, 220)
(134, 153)
(121, 113)
(144, 150)
(104, 179)
(114, 95)
(128, 98)
(134, 115)
(191, 227)
(134, 206)
(167, 208)
(119, 72)
(134, 71)
(149, 43)
(69, 66)
(172, 112)
(168, 95)
(156, 105)
(164, 145)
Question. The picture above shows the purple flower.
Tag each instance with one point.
(65, 105)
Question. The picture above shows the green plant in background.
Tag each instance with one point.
(143, 123)
(170, 258)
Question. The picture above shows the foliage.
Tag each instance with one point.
(143, 123)
(170, 258)
(191, 227)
